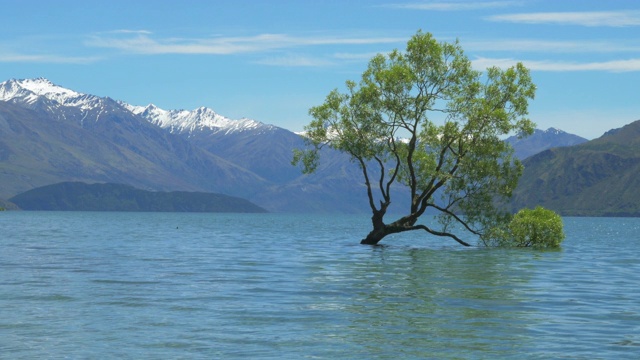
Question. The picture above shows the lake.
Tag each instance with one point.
(83, 285)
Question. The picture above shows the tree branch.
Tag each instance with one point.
(397, 167)
(365, 173)
(458, 219)
(439, 233)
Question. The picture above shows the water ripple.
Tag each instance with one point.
(115, 285)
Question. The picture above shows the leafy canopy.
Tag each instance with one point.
(426, 120)
(538, 228)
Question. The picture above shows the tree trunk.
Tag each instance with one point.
(379, 228)
(375, 236)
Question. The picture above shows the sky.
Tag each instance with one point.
(272, 60)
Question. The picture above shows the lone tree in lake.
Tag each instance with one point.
(456, 165)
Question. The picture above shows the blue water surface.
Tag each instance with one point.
(83, 285)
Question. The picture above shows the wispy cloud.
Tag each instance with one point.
(551, 46)
(144, 43)
(330, 60)
(355, 56)
(295, 61)
(129, 31)
(587, 18)
(454, 5)
(52, 59)
(627, 65)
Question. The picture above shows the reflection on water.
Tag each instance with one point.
(112, 285)
(424, 302)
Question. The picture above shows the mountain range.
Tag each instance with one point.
(595, 178)
(50, 134)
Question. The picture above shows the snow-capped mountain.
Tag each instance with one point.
(52, 134)
(202, 119)
(553, 131)
(263, 149)
(29, 91)
(49, 134)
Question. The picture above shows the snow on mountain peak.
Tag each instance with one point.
(181, 121)
(30, 90)
(200, 119)
(44, 87)
(554, 131)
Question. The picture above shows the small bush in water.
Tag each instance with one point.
(538, 228)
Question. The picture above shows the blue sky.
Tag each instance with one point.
(272, 60)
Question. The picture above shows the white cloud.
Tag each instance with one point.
(355, 56)
(53, 59)
(143, 43)
(128, 31)
(295, 61)
(455, 5)
(547, 46)
(557, 66)
(587, 18)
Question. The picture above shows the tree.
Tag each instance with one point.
(538, 228)
(424, 119)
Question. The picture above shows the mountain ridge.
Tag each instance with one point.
(49, 134)
(43, 141)
(190, 121)
(30, 91)
(595, 178)
(101, 143)
(542, 140)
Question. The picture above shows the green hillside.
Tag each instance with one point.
(6, 205)
(77, 196)
(597, 178)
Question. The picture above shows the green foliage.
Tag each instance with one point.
(538, 228)
(452, 117)
(307, 158)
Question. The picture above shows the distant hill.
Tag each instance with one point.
(78, 196)
(542, 140)
(597, 178)
(6, 205)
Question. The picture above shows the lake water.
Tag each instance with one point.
(205, 286)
